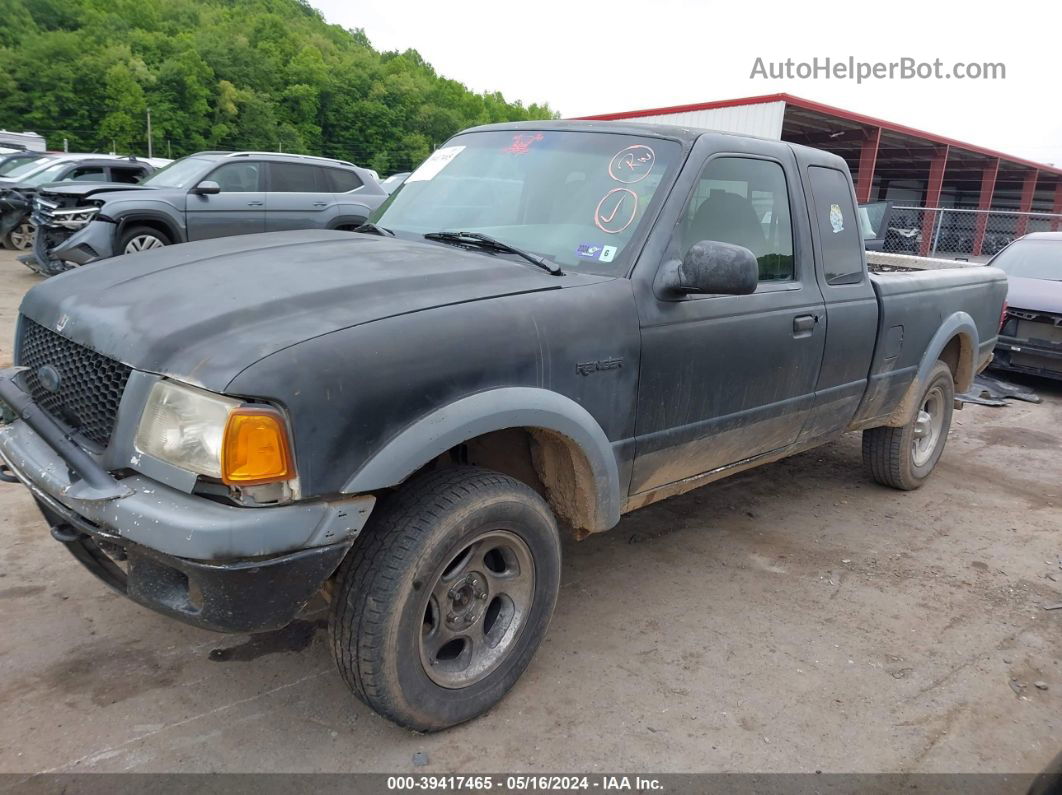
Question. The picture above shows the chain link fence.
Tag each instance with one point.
(951, 233)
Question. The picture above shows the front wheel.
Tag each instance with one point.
(141, 238)
(446, 596)
(904, 457)
(21, 237)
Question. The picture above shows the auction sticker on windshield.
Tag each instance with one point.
(439, 160)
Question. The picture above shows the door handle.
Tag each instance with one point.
(255, 204)
(320, 204)
(804, 324)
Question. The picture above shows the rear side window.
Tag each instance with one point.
(126, 175)
(340, 180)
(293, 178)
(237, 177)
(841, 241)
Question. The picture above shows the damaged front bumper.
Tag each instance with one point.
(1033, 357)
(216, 566)
(90, 242)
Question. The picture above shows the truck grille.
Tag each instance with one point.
(90, 385)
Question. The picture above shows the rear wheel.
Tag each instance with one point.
(141, 238)
(446, 596)
(904, 457)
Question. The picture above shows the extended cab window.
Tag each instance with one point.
(237, 177)
(745, 202)
(840, 237)
(339, 180)
(292, 178)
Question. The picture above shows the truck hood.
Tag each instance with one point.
(202, 312)
(1036, 295)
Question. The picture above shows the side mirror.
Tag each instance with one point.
(711, 268)
(207, 188)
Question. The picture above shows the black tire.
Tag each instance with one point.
(20, 238)
(381, 609)
(893, 457)
(137, 231)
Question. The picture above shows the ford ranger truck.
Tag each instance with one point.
(548, 325)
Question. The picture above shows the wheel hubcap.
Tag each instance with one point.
(143, 243)
(22, 236)
(475, 610)
(927, 427)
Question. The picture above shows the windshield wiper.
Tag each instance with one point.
(373, 229)
(477, 240)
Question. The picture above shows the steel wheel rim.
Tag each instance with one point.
(142, 243)
(21, 236)
(476, 609)
(928, 425)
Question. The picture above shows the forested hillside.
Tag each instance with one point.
(227, 74)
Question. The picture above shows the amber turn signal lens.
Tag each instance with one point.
(255, 448)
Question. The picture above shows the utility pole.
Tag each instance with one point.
(66, 145)
(169, 149)
(149, 130)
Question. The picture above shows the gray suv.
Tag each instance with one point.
(205, 195)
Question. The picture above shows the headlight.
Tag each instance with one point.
(73, 219)
(215, 436)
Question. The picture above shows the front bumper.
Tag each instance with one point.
(1033, 358)
(95, 240)
(217, 566)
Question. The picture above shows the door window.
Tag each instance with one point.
(87, 174)
(840, 237)
(293, 178)
(237, 177)
(744, 202)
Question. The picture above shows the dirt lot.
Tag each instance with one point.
(793, 618)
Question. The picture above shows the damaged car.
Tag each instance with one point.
(1031, 338)
(202, 196)
(19, 190)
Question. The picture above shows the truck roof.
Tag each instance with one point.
(684, 134)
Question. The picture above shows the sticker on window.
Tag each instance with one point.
(596, 251)
(439, 160)
(836, 218)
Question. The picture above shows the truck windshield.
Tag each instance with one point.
(50, 174)
(183, 173)
(24, 168)
(1032, 259)
(576, 199)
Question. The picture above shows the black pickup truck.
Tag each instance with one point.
(548, 325)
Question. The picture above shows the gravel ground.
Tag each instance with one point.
(792, 618)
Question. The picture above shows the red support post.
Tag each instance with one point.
(1028, 191)
(868, 158)
(933, 187)
(984, 202)
(1057, 207)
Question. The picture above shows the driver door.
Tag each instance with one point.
(725, 378)
(238, 210)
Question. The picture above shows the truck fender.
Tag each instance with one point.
(959, 324)
(496, 410)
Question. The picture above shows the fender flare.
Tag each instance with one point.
(349, 219)
(133, 216)
(960, 323)
(496, 410)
